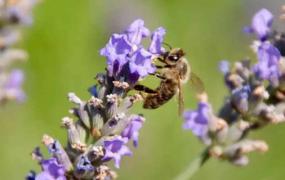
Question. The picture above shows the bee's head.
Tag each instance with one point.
(171, 57)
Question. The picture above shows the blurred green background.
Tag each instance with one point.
(63, 45)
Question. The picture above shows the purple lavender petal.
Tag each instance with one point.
(132, 129)
(261, 24)
(115, 148)
(141, 63)
(157, 40)
(136, 31)
(268, 60)
(197, 121)
(51, 170)
(116, 52)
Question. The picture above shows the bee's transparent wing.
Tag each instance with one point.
(196, 83)
(180, 98)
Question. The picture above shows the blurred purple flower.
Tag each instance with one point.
(157, 40)
(136, 31)
(268, 59)
(51, 170)
(132, 129)
(240, 98)
(13, 85)
(261, 24)
(224, 66)
(115, 148)
(197, 121)
(20, 11)
(141, 63)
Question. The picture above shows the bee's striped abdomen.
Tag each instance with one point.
(165, 92)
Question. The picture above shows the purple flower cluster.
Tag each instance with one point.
(126, 56)
(256, 98)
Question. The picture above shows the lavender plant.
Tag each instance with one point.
(104, 124)
(256, 99)
(13, 15)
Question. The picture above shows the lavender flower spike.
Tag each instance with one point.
(103, 124)
(256, 99)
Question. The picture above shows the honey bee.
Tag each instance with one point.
(174, 72)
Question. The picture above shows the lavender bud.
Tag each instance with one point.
(82, 131)
(74, 99)
(84, 116)
(240, 161)
(84, 168)
(112, 104)
(123, 85)
(105, 173)
(115, 124)
(96, 153)
(220, 130)
(73, 135)
(245, 147)
(237, 130)
(102, 91)
(56, 150)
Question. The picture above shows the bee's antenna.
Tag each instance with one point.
(168, 45)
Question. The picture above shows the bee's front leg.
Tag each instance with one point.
(158, 75)
(145, 89)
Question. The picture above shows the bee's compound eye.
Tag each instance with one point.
(173, 58)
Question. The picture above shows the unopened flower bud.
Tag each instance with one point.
(74, 99)
(57, 150)
(123, 85)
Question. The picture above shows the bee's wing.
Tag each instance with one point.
(180, 98)
(196, 83)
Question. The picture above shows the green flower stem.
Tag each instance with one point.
(194, 166)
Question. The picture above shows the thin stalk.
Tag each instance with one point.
(194, 166)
